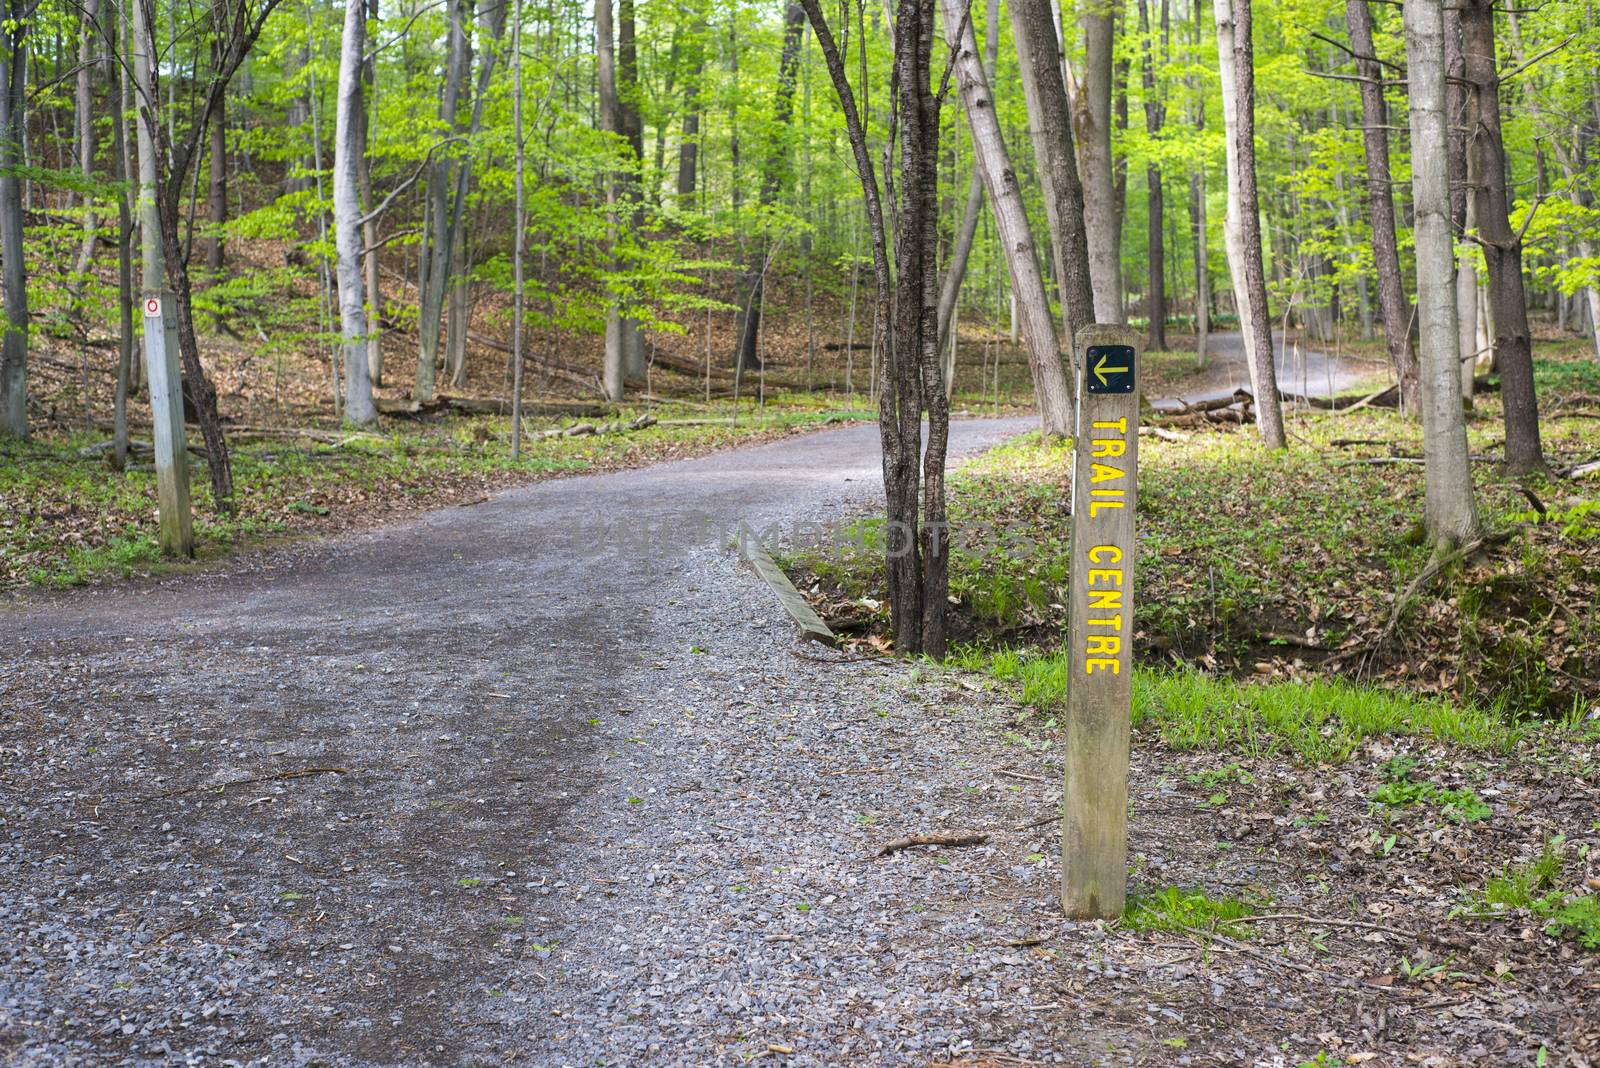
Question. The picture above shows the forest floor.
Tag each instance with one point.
(547, 780)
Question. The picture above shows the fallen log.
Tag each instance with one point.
(586, 429)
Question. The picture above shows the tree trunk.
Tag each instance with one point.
(774, 172)
(119, 146)
(1202, 273)
(689, 139)
(84, 108)
(438, 232)
(956, 269)
(632, 337)
(1564, 150)
(14, 347)
(369, 228)
(1155, 232)
(614, 373)
(520, 238)
(347, 151)
(1451, 513)
(1011, 221)
(217, 179)
(1380, 203)
(1039, 55)
(1099, 182)
(1263, 367)
(916, 559)
(165, 382)
(1502, 246)
(1233, 244)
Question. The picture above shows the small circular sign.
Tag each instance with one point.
(152, 306)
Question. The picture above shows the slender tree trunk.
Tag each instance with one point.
(519, 239)
(1233, 244)
(1011, 221)
(1039, 55)
(13, 99)
(119, 145)
(1451, 513)
(1502, 246)
(1564, 149)
(961, 251)
(916, 559)
(631, 336)
(1202, 271)
(296, 114)
(217, 179)
(694, 55)
(1380, 204)
(774, 170)
(460, 286)
(1263, 360)
(1463, 212)
(1099, 180)
(1155, 232)
(347, 152)
(84, 108)
(369, 227)
(165, 382)
(1119, 181)
(436, 252)
(1468, 321)
(614, 373)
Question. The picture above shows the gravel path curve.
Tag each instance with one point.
(542, 780)
(1314, 373)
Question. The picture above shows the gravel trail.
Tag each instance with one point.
(544, 779)
(1313, 374)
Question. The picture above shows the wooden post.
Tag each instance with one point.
(1094, 831)
(166, 420)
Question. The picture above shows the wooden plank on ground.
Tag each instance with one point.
(811, 625)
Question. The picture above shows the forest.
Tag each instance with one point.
(423, 423)
(687, 192)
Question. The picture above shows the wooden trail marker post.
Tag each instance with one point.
(1105, 478)
(166, 421)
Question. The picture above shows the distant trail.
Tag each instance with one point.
(1316, 374)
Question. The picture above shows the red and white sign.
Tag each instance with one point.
(152, 306)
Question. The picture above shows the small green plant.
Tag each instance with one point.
(1176, 910)
(1535, 886)
(1226, 775)
(1401, 791)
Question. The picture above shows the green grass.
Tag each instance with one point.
(1178, 911)
(1535, 886)
(1315, 722)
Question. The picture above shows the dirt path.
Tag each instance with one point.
(1313, 373)
(289, 809)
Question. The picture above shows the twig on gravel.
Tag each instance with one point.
(1020, 775)
(298, 773)
(876, 661)
(949, 839)
(1267, 958)
(1419, 936)
(1040, 822)
(1264, 916)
